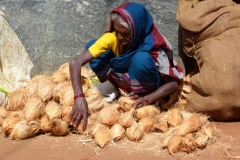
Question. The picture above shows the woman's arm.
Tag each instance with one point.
(79, 113)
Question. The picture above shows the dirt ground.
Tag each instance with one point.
(47, 147)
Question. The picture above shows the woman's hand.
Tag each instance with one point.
(140, 101)
(79, 113)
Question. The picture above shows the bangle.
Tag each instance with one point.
(79, 95)
(145, 100)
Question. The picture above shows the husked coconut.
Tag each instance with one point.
(190, 125)
(161, 126)
(85, 82)
(59, 127)
(10, 122)
(24, 129)
(146, 111)
(93, 94)
(146, 124)
(126, 119)
(65, 114)
(174, 144)
(126, 103)
(86, 72)
(208, 130)
(64, 68)
(58, 77)
(117, 132)
(45, 124)
(57, 91)
(109, 115)
(45, 87)
(188, 143)
(3, 114)
(96, 105)
(16, 100)
(134, 132)
(34, 108)
(32, 86)
(166, 136)
(88, 128)
(67, 95)
(102, 136)
(174, 117)
(53, 110)
(201, 140)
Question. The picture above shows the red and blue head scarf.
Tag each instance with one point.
(145, 35)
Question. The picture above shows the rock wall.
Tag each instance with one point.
(55, 31)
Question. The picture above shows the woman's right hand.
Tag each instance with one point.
(79, 113)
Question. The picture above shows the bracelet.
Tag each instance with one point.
(145, 100)
(79, 95)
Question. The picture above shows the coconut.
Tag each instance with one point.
(45, 124)
(201, 140)
(85, 82)
(3, 114)
(166, 136)
(53, 110)
(146, 111)
(88, 128)
(16, 100)
(57, 91)
(58, 77)
(161, 126)
(86, 72)
(24, 129)
(102, 136)
(117, 132)
(59, 127)
(174, 117)
(92, 94)
(174, 144)
(96, 105)
(208, 131)
(126, 118)
(188, 143)
(45, 87)
(146, 124)
(126, 103)
(34, 108)
(109, 115)
(134, 132)
(32, 86)
(10, 122)
(190, 125)
(65, 114)
(64, 68)
(67, 95)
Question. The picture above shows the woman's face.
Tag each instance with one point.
(123, 34)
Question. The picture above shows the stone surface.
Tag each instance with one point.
(55, 31)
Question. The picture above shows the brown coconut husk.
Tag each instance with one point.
(87, 72)
(85, 82)
(126, 103)
(190, 125)
(161, 126)
(32, 86)
(53, 110)
(45, 124)
(10, 122)
(64, 68)
(3, 114)
(146, 111)
(146, 124)
(126, 119)
(96, 105)
(59, 127)
(57, 91)
(102, 136)
(65, 114)
(201, 140)
(24, 129)
(134, 132)
(16, 100)
(109, 115)
(90, 124)
(117, 132)
(208, 130)
(93, 94)
(165, 137)
(188, 143)
(174, 117)
(58, 77)
(67, 95)
(174, 144)
(34, 108)
(45, 87)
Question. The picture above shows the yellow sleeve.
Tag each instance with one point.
(105, 42)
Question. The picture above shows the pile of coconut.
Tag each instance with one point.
(43, 106)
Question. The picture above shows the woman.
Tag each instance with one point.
(132, 55)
